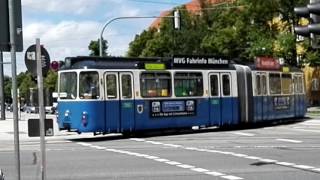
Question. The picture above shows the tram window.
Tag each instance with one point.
(264, 85)
(154, 84)
(188, 84)
(126, 86)
(68, 85)
(258, 85)
(214, 85)
(298, 84)
(111, 86)
(275, 83)
(226, 85)
(89, 85)
(286, 84)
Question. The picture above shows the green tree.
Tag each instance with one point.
(139, 43)
(94, 48)
(50, 82)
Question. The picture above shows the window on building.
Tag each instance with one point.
(188, 84)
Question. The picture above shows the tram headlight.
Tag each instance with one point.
(84, 119)
(66, 114)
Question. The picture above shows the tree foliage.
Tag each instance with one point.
(94, 48)
(243, 29)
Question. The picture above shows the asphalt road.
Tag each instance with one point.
(277, 152)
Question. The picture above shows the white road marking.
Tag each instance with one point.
(304, 130)
(289, 140)
(84, 144)
(172, 145)
(243, 134)
(185, 166)
(232, 177)
(161, 160)
(213, 173)
(252, 157)
(268, 160)
(303, 167)
(158, 159)
(172, 162)
(316, 169)
(200, 170)
(287, 164)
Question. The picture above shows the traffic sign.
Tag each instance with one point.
(31, 63)
(34, 127)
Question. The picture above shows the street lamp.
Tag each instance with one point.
(176, 17)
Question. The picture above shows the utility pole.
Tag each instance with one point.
(13, 32)
(2, 105)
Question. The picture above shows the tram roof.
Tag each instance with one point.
(159, 63)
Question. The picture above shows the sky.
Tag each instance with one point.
(66, 27)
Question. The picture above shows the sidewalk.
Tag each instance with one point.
(7, 130)
(314, 110)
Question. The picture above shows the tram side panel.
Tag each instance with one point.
(81, 116)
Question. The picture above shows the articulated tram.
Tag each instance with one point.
(123, 95)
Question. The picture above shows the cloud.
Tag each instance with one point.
(66, 38)
(65, 6)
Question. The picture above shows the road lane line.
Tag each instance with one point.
(243, 134)
(289, 140)
(200, 170)
(161, 160)
(286, 164)
(232, 177)
(303, 167)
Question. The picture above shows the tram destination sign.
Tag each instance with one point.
(199, 62)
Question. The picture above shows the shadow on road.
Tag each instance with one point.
(175, 132)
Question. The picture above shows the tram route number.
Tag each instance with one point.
(173, 108)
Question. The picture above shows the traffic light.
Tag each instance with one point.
(177, 19)
(312, 30)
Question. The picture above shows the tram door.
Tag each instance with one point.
(261, 99)
(227, 99)
(119, 102)
(126, 102)
(112, 102)
(215, 99)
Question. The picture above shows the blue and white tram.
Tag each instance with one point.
(120, 95)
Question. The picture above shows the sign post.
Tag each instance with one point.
(2, 104)
(38, 62)
(41, 109)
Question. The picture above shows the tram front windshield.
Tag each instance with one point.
(68, 85)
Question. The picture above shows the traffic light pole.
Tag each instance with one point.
(176, 17)
(2, 105)
(13, 32)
